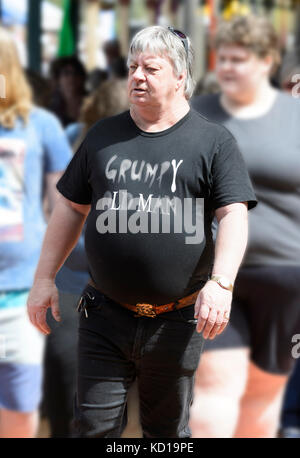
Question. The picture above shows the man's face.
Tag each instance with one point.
(239, 70)
(151, 80)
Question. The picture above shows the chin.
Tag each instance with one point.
(138, 102)
(230, 90)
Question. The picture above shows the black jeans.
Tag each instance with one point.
(60, 367)
(115, 347)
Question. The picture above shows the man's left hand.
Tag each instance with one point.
(212, 309)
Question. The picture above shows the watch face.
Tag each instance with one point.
(224, 282)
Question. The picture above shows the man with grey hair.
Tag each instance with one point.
(149, 182)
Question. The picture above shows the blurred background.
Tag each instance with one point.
(45, 29)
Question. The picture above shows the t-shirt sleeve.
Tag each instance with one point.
(231, 181)
(57, 150)
(74, 184)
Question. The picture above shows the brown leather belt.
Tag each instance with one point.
(151, 310)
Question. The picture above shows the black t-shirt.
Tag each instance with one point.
(153, 195)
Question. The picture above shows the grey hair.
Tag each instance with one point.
(161, 41)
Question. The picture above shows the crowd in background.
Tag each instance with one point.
(57, 112)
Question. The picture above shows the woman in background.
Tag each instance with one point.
(289, 80)
(243, 372)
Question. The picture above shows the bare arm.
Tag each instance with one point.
(231, 239)
(213, 304)
(64, 228)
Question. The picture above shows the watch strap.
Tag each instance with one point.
(223, 282)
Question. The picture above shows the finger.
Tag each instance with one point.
(197, 306)
(224, 324)
(202, 316)
(210, 322)
(31, 315)
(215, 329)
(41, 322)
(55, 308)
(31, 311)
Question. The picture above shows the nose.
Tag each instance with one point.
(138, 74)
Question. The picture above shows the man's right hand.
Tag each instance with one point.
(43, 294)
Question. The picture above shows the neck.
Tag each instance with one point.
(156, 119)
(250, 104)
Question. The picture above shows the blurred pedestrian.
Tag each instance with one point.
(290, 415)
(116, 63)
(95, 78)
(243, 373)
(208, 84)
(289, 74)
(33, 153)
(289, 78)
(109, 99)
(40, 86)
(68, 78)
(153, 290)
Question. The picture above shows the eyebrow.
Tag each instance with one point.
(146, 64)
(149, 59)
(152, 63)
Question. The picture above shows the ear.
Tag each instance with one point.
(268, 63)
(180, 80)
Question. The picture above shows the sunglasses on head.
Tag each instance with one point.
(182, 37)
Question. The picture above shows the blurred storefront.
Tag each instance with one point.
(47, 28)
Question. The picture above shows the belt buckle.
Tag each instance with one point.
(146, 310)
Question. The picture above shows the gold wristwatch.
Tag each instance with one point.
(223, 282)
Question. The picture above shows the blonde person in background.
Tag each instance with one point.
(243, 373)
(33, 153)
